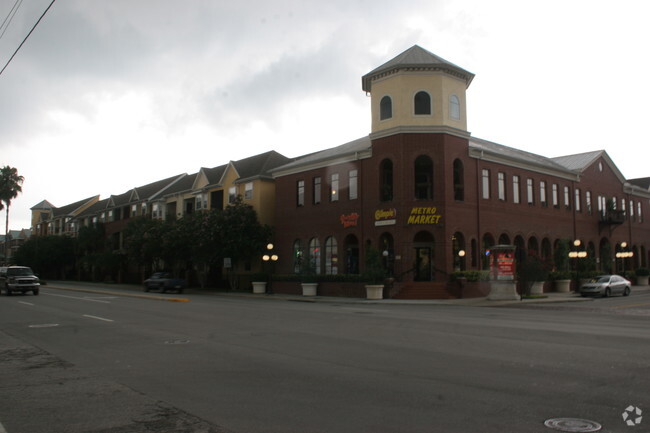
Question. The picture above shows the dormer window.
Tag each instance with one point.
(385, 108)
(422, 103)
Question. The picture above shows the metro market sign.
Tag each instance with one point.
(424, 215)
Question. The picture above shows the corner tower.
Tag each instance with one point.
(420, 92)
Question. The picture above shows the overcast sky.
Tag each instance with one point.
(106, 96)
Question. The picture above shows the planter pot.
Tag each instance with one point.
(374, 291)
(537, 288)
(259, 287)
(563, 286)
(309, 289)
(642, 280)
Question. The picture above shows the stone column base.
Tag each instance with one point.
(503, 291)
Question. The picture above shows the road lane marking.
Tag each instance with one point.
(98, 318)
(45, 325)
(77, 297)
(632, 305)
(25, 303)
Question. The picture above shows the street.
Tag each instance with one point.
(95, 362)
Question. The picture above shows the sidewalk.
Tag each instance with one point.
(134, 290)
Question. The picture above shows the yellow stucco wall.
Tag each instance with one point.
(402, 87)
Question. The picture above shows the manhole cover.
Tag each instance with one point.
(177, 341)
(572, 424)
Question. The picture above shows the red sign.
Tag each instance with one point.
(505, 265)
(351, 220)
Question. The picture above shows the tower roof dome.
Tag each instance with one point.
(415, 58)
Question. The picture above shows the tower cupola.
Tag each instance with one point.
(418, 91)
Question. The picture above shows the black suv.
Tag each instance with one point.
(19, 279)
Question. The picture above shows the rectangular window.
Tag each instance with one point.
(588, 201)
(354, 186)
(316, 187)
(502, 186)
(542, 193)
(515, 189)
(134, 210)
(567, 197)
(300, 193)
(529, 191)
(556, 200)
(631, 210)
(232, 194)
(578, 199)
(638, 207)
(486, 183)
(334, 187)
(248, 191)
(601, 205)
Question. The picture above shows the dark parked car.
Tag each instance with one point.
(606, 285)
(164, 281)
(19, 279)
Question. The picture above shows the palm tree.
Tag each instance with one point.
(10, 185)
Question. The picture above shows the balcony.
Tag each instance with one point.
(612, 217)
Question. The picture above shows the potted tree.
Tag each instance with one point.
(308, 278)
(259, 281)
(533, 273)
(374, 274)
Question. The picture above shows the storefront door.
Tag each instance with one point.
(423, 264)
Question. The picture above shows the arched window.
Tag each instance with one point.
(297, 256)
(331, 256)
(454, 107)
(351, 254)
(459, 180)
(385, 108)
(422, 103)
(386, 180)
(314, 254)
(423, 178)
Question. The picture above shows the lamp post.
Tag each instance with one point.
(624, 254)
(270, 256)
(577, 254)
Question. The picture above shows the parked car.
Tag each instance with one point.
(19, 279)
(164, 281)
(606, 285)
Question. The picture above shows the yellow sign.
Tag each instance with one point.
(424, 215)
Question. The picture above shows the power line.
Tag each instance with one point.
(10, 16)
(28, 34)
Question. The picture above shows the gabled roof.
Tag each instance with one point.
(581, 161)
(416, 58)
(156, 189)
(642, 182)
(182, 185)
(258, 166)
(353, 150)
(96, 208)
(213, 176)
(490, 151)
(73, 208)
(44, 205)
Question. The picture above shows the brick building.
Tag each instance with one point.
(434, 199)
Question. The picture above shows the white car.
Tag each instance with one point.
(606, 285)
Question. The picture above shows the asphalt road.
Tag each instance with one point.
(83, 362)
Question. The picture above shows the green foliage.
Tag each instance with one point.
(308, 271)
(642, 272)
(558, 276)
(48, 256)
(471, 276)
(561, 255)
(374, 271)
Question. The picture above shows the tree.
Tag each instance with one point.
(10, 185)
